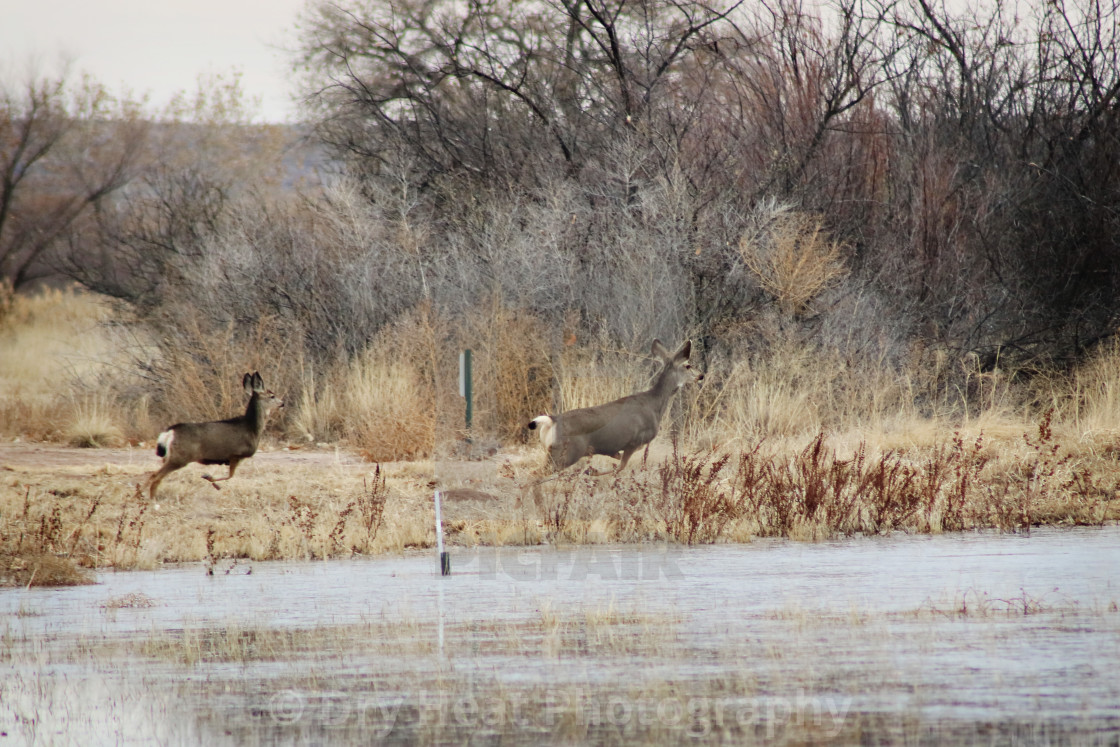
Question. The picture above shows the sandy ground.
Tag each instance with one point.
(283, 503)
(44, 456)
(467, 484)
(54, 466)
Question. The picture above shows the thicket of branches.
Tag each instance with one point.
(965, 160)
(888, 182)
(67, 147)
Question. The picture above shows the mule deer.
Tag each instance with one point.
(216, 442)
(616, 429)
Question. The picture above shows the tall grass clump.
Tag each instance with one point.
(794, 259)
(1089, 398)
(796, 389)
(513, 370)
(58, 349)
(390, 410)
(93, 422)
(390, 400)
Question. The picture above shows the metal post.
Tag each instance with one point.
(465, 386)
(444, 557)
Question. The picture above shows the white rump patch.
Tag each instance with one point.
(165, 440)
(547, 428)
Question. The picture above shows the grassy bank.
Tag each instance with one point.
(748, 455)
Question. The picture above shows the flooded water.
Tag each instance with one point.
(975, 637)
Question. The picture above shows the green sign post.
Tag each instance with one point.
(465, 385)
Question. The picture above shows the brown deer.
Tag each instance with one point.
(616, 429)
(216, 442)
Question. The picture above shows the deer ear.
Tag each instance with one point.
(684, 351)
(247, 382)
(258, 382)
(659, 350)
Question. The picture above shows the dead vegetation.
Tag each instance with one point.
(319, 510)
(729, 466)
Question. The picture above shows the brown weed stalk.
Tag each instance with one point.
(694, 502)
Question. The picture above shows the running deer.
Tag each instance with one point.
(216, 442)
(616, 429)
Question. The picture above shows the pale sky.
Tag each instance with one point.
(158, 47)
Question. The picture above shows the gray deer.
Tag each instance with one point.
(616, 429)
(215, 442)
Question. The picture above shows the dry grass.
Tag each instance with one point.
(512, 370)
(41, 569)
(387, 412)
(37, 544)
(87, 514)
(390, 401)
(93, 424)
(1089, 400)
(796, 261)
(53, 346)
(824, 451)
(400, 398)
(314, 505)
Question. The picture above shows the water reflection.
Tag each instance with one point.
(955, 636)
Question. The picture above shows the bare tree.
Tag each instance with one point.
(496, 90)
(202, 161)
(1008, 128)
(65, 149)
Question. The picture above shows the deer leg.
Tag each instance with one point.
(215, 480)
(561, 462)
(155, 479)
(623, 458)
